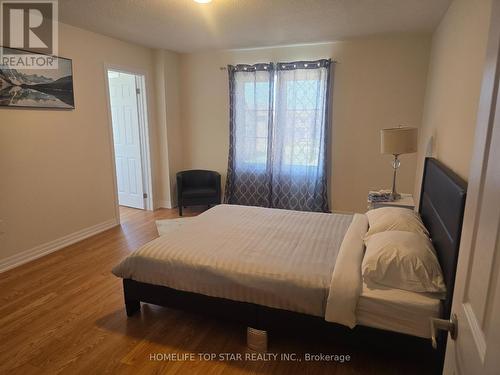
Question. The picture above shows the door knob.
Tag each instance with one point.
(443, 325)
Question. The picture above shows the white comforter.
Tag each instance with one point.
(277, 258)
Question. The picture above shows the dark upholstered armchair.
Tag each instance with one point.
(198, 187)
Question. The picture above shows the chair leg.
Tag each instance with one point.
(180, 209)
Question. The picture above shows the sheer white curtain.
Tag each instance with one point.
(300, 135)
(279, 121)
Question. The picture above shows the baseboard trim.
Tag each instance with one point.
(164, 204)
(49, 247)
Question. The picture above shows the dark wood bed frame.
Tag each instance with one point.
(442, 204)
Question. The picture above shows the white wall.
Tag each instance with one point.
(379, 82)
(455, 72)
(169, 124)
(174, 131)
(55, 165)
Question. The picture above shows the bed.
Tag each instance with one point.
(262, 266)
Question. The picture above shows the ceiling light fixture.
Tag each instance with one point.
(203, 1)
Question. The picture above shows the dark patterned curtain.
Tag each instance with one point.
(279, 122)
(251, 90)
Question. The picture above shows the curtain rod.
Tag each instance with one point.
(225, 67)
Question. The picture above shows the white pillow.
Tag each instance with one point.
(394, 218)
(402, 260)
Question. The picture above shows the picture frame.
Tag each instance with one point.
(37, 88)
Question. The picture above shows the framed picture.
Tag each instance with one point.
(37, 88)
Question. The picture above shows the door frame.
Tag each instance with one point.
(142, 81)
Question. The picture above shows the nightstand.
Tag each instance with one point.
(406, 201)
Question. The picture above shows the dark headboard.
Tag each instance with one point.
(442, 204)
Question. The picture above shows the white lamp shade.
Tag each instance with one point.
(398, 141)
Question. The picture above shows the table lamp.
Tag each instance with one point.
(397, 141)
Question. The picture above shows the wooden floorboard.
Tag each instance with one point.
(64, 314)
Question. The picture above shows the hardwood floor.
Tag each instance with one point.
(64, 313)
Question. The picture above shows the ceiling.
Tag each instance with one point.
(186, 26)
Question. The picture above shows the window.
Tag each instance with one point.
(255, 137)
(303, 148)
(279, 119)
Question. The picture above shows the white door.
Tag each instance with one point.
(476, 300)
(127, 140)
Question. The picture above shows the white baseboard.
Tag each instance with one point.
(164, 204)
(49, 247)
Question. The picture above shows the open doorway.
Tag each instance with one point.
(129, 123)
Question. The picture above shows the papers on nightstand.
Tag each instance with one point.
(379, 196)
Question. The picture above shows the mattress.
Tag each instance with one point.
(397, 310)
(277, 258)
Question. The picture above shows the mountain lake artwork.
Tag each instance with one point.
(40, 88)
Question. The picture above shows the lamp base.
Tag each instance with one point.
(395, 196)
(395, 165)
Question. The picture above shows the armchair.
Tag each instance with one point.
(198, 187)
